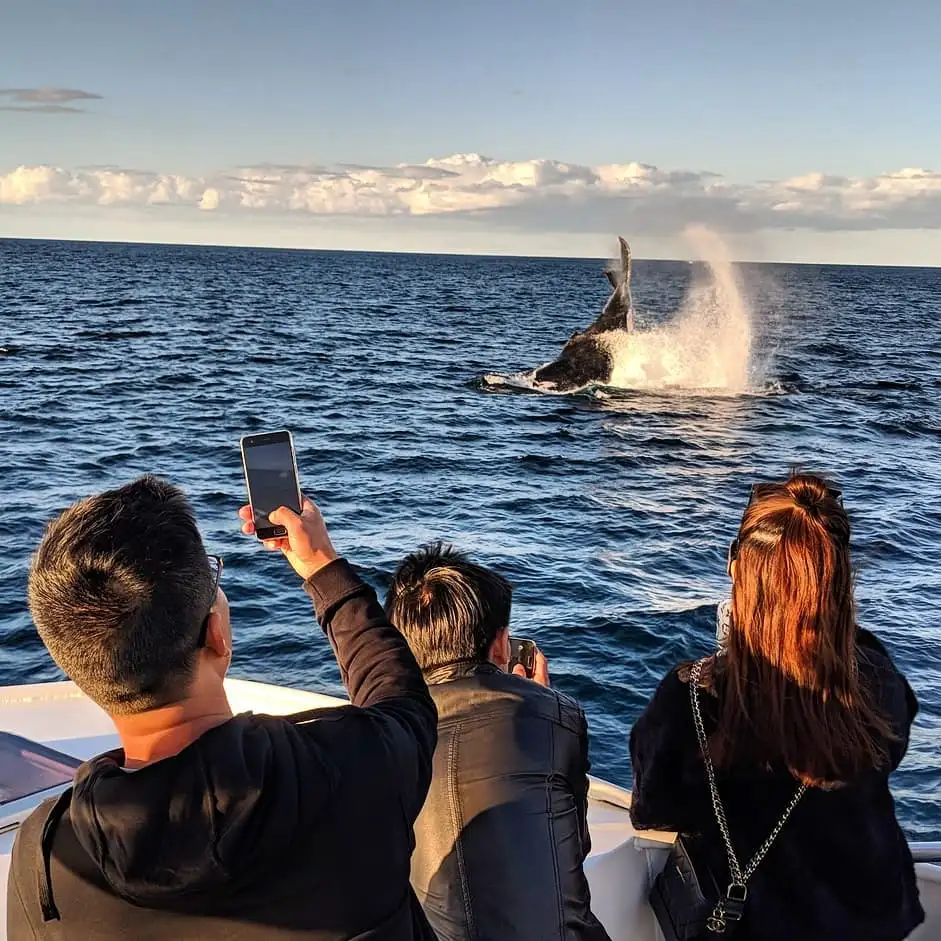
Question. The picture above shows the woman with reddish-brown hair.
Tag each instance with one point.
(771, 758)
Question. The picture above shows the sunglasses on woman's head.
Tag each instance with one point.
(215, 563)
(759, 490)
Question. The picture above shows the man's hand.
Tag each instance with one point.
(307, 545)
(540, 670)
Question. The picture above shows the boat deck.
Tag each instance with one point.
(620, 868)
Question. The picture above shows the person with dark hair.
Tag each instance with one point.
(503, 835)
(772, 757)
(203, 824)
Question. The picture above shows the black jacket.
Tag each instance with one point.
(264, 828)
(839, 869)
(502, 837)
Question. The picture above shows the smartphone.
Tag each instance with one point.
(523, 650)
(270, 478)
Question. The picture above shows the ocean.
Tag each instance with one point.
(610, 511)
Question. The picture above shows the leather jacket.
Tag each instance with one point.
(503, 833)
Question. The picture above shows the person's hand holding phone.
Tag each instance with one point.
(307, 544)
(540, 669)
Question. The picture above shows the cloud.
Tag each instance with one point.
(45, 100)
(209, 200)
(47, 95)
(43, 109)
(525, 195)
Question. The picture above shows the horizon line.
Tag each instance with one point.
(444, 254)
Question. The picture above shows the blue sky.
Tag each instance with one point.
(839, 96)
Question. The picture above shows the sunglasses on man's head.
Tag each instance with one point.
(215, 563)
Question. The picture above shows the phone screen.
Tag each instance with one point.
(270, 475)
(522, 650)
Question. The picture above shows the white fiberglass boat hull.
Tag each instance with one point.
(620, 869)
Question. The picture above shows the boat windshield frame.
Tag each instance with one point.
(28, 768)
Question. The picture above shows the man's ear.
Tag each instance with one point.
(217, 637)
(499, 652)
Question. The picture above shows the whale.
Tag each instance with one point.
(586, 358)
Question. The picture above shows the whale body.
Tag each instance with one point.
(586, 358)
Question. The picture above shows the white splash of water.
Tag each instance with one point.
(707, 346)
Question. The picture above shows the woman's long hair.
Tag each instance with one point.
(791, 693)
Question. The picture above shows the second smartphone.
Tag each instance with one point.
(523, 650)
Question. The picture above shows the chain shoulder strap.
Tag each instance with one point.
(731, 907)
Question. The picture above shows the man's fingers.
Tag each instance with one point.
(248, 528)
(519, 670)
(245, 512)
(286, 517)
(541, 669)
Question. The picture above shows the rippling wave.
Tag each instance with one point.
(610, 512)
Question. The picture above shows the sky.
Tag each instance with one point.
(799, 132)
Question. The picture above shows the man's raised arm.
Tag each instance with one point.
(378, 669)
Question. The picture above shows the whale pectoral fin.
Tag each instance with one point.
(625, 260)
(627, 302)
(618, 313)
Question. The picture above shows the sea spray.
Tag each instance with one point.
(706, 346)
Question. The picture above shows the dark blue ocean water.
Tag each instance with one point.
(611, 517)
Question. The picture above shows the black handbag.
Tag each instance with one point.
(686, 897)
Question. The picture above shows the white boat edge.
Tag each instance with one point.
(620, 869)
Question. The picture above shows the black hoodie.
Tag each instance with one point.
(265, 827)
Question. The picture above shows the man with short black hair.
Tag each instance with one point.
(503, 835)
(238, 827)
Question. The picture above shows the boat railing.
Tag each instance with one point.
(926, 852)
